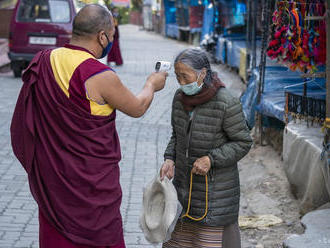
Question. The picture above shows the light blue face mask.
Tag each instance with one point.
(192, 88)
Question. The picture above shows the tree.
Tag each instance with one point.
(107, 3)
(137, 4)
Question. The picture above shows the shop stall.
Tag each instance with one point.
(295, 92)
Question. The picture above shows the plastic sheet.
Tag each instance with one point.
(170, 11)
(227, 47)
(172, 30)
(272, 100)
(220, 51)
(249, 99)
(302, 148)
(208, 27)
(234, 52)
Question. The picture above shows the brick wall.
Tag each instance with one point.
(136, 18)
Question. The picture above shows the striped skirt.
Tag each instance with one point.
(189, 235)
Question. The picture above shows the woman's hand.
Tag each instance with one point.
(201, 166)
(167, 169)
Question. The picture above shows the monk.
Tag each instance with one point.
(115, 53)
(64, 134)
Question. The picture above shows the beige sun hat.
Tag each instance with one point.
(161, 210)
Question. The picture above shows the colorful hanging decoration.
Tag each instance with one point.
(296, 39)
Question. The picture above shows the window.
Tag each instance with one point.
(57, 11)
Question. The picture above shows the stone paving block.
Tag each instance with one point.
(7, 243)
(16, 204)
(11, 235)
(6, 219)
(27, 239)
(34, 234)
(29, 206)
(23, 244)
(31, 228)
(11, 227)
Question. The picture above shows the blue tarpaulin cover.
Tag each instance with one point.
(170, 11)
(208, 26)
(172, 30)
(223, 51)
(278, 80)
(234, 51)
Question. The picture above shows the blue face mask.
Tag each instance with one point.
(192, 88)
(107, 49)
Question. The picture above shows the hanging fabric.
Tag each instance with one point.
(298, 40)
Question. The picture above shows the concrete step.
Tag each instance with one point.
(317, 234)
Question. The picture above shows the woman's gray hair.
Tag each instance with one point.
(197, 59)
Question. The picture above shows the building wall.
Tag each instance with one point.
(6, 10)
(5, 16)
(7, 4)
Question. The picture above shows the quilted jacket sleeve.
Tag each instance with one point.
(170, 149)
(239, 139)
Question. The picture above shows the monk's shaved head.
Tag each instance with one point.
(90, 20)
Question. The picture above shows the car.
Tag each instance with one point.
(38, 25)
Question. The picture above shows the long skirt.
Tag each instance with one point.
(49, 237)
(190, 235)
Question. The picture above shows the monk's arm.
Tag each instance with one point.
(117, 95)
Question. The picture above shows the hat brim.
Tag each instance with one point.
(160, 207)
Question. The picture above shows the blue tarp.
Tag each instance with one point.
(195, 2)
(195, 30)
(239, 13)
(278, 80)
(172, 30)
(170, 11)
(226, 47)
(208, 25)
(220, 50)
(249, 99)
(234, 52)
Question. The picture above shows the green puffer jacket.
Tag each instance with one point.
(217, 130)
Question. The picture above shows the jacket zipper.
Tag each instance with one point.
(189, 131)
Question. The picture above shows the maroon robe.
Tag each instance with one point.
(115, 54)
(71, 158)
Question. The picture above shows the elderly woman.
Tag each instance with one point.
(209, 137)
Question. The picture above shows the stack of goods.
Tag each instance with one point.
(298, 34)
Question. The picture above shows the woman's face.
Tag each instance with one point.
(186, 75)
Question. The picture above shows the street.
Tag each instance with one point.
(265, 189)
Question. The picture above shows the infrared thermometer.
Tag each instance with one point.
(163, 66)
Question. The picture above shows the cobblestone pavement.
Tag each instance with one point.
(143, 141)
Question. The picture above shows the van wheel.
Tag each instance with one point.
(17, 69)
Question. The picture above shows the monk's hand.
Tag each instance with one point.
(157, 80)
(201, 166)
(167, 169)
